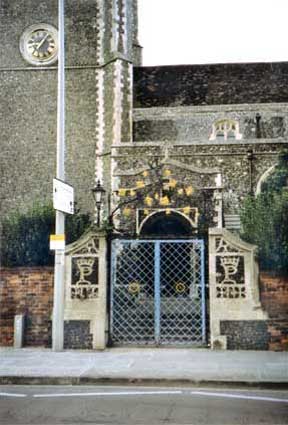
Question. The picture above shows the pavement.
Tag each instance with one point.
(136, 365)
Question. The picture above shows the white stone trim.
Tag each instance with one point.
(100, 129)
(207, 109)
(130, 100)
(100, 125)
(118, 101)
(262, 179)
(114, 42)
(117, 129)
(100, 32)
(123, 34)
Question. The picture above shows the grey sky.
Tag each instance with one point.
(213, 31)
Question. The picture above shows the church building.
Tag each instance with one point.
(173, 150)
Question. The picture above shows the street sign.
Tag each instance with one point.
(57, 242)
(63, 196)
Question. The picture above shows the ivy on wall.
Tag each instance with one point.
(265, 219)
(25, 236)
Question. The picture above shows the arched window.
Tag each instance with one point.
(225, 130)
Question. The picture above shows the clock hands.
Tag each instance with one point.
(42, 42)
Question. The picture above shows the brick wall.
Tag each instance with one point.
(29, 291)
(26, 291)
(274, 298)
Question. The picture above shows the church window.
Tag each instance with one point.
(225, 130)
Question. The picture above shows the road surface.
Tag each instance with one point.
(141, 405)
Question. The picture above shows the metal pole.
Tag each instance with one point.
(98, 216)
(58, 304)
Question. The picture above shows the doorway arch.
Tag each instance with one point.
(172, 225)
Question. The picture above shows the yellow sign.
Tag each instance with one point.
(57, 242)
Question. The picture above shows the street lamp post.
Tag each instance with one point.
(98, 193)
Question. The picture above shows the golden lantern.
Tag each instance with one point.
(167, 172)
(180, 191)
(140, 184)
(148, 201)
(132, 192)
(146, 212)
(164, 201)
(189, 190)
(156, 196)
(122, 192)
(145, 173)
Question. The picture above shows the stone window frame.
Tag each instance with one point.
(225, 129)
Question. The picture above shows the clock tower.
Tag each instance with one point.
(101, 47)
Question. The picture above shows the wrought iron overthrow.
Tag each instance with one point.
(158, 293)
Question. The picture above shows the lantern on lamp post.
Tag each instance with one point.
(98, 192)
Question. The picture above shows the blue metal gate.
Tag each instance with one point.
(157, 292)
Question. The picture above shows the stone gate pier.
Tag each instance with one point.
(86, 292)
(237, 319)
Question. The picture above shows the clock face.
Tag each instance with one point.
(39, 44)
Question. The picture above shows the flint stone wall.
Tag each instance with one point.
(220, 84)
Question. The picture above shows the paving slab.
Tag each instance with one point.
(147, 364)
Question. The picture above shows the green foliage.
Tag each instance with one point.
(25, 236)
(265, 220)
(279, 178)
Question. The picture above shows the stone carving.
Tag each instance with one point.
(223, 246)
(84, 278)
(91, 248)
(230, 280)
(230, 266)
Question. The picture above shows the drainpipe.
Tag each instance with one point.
(250, 158)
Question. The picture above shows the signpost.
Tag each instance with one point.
(59, 270)
(63, 197)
